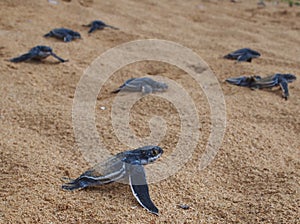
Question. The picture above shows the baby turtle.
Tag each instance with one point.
(125, 166)
(37, 53)
(98, 25)
(244, 54)
(184, 206)
(64, 34)
(257, 82)
(145, 85)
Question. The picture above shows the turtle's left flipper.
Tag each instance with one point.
(139, 187)
(59, 58)
(284, 87)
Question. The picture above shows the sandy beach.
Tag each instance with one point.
(255, 176)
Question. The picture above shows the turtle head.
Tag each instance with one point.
(76, 35)
(289, 77)
(163, 86)
(41, 51)
(45, 48)
(143, 155)
(159, 86)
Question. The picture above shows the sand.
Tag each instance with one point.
(254, 178)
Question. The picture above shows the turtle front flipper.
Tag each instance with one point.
(146, 89)
(284, 87)
(139, 187)
(92, 29)
(59, 58)
(112, 27)
(68, 38)
(23, 57)
(245, 57)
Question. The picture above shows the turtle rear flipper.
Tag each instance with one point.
(86, 181)
(139, 187)
(21, 58)
(78, 183)
(50, 34)
(116, 91)
(239, 81)
(244, 81)
(125, 86)
(229, 56)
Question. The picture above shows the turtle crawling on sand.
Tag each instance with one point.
(64, 34)
(244, 54)
(98, 25)
(257, 82)
(125, 166)
(37, 53)
(145, 85)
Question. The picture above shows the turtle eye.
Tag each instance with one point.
(154, 152)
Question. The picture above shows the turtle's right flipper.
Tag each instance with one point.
(139, 187)
(21, 58)
(59, 58)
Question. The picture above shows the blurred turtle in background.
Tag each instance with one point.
(98, 25)
(257, 82)
(64, 34)
(145, 85)
(244, 54)
(37, 53)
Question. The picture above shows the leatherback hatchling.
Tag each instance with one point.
(125, 166)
